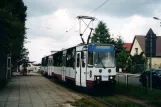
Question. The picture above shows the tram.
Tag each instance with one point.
(84, 65)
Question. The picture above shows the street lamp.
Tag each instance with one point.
(156, 18)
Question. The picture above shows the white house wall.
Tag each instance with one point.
(156, 62)
(135, 45)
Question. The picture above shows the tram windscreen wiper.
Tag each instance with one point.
(103, 65)
(101, 61)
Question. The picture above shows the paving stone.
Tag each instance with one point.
(2, 103)
(11, 104)
(34, 91)
(39, 106)
(25, 105)
(24, 101)
(3, 98)
(13, 99)
(55, 105)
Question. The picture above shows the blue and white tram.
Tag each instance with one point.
(83, 65)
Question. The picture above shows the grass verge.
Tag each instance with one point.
(87, 102)
(151, 97)
(118, 102)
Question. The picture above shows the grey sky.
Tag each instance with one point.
(119, 8)
(126, 18)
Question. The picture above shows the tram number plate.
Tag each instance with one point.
(104, 78)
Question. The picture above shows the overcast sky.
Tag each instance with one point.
(48, 21)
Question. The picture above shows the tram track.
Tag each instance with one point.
(97, 98)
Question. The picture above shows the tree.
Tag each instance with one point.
(136, 63)
(122, 56)
(119, 45)
(122, 59)
(101, 34)
(13, 17)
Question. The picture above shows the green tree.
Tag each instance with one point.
(119, 45)
(101, 34)
(122, 59)
(12, 19)
(138, 58)
(122, 56)
(136, 63)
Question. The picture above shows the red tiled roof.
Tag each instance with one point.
(141, 41)
(127, 46)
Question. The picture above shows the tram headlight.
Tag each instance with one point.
(98, 78)
(111, 77)
(109, 70)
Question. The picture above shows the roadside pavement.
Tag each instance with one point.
(34, 91)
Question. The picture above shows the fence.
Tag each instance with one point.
(137, 68)
(128, 78)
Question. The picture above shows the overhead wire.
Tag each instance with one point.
(99, 6)
(67, 31)
(89, 14)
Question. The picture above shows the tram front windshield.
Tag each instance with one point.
(104, 59)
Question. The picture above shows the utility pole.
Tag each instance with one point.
(150, 50)
(151, 61)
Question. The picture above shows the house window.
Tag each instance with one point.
(136, 49)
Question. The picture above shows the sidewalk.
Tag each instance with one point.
(34, 91)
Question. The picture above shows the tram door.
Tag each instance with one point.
(80, 69)
(83, 68)
(63, 68)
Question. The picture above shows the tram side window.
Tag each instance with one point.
(51, 62)
(48, 62)
(90, 58)
(83, 59)
(73, 62)
(78, 60)
(59, 61)
(68, 60)
(73, 58)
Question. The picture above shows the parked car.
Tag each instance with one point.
(156, 78)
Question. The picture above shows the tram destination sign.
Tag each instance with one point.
(103, 47)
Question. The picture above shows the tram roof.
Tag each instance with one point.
(76, 46)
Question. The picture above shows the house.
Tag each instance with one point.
(127, 46)
(138, 46)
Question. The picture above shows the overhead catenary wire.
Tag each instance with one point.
(67, 31)
(89, 14)
(99, 6)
